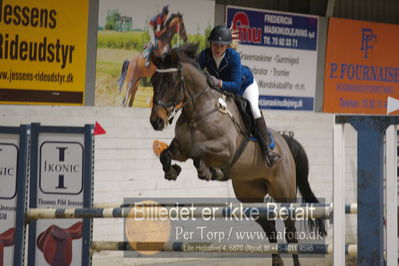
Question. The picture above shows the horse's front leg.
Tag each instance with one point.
(171, 153)
(203, 171)
(212, 150)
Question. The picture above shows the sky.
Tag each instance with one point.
(197, 14)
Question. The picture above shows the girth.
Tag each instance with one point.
(226, 169)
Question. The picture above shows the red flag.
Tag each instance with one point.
(98, 130)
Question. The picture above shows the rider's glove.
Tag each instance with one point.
(215, 82)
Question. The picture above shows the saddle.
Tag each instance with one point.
(6, 239)
(244, 109)
(56, 243)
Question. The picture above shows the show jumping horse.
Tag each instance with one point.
(135, 70)
(210, 131)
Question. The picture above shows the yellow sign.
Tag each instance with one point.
(43, 51)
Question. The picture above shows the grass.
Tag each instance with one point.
(122, 40)
(110, 68)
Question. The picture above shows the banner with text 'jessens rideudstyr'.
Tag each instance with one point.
(43, 51)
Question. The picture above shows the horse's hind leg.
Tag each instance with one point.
(127, 94)
(284, 190)
(130, 92)
(255, 191)
(133, 93)
(269, 226)
(290, 236)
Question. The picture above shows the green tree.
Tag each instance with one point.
(111, 21)
(128, 26)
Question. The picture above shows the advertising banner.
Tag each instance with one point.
(60, 177)
(128, 30)
(8, 195)
(281, 50)
(43, 51)
(362, 67)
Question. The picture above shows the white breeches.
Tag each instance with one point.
(152, 36)
(251, 93)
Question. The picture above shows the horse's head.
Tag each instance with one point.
(175, 24)
(168, 84)
(182, 29)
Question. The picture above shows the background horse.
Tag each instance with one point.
(134, 70)
(211, 132)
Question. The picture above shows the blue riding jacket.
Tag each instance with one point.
(236, 77)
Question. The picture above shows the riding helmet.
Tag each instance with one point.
(220, 35)
(165, 10)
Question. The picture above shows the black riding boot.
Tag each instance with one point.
(264, 141)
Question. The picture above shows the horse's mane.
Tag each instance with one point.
(171, 17)
(187, 53)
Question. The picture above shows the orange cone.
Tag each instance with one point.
(158, 147)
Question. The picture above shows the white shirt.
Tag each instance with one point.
(218, 60)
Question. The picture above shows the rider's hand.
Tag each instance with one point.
(215, 82)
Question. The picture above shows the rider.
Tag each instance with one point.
(223, 63)
(157, 28)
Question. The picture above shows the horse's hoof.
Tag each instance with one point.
(203, 177)
(218, 174)
(173, 172)
(277, 261)
(170, 175)
(177, 169)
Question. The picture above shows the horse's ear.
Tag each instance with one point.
(155, 59)
(194, 49)
(174, 57)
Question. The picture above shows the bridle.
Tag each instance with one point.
(181, 87)
(174, 106)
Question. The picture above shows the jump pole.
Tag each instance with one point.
(350, 208)
(160, 212)
(270, 248)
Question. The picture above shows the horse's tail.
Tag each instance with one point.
(122, 77)
(302, 172)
